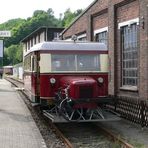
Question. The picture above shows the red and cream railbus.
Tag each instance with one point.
(70, 78)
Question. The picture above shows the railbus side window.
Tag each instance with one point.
(32, 63)
(27, 63)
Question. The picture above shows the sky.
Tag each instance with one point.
(11, 9)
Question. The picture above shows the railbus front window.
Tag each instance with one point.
(88, 63)
(63, 63)
(75, 62)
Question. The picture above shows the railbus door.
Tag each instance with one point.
(35, 77)
(38, 77)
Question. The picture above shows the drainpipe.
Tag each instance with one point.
(147, 44)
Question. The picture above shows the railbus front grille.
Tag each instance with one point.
(85, 92)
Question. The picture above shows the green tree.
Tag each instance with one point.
(13, 54)
(39, 18)
(10, 24)
(69, 16)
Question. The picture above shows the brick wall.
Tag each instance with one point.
(100, 21)
(83, 23)
(79, 26)
(143, 56)
(128, 11)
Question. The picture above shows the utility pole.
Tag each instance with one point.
(1, 52)
(1, 57)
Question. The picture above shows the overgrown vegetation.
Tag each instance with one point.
(20, 28)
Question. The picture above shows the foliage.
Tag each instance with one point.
(10, 24)
(70, 16)
(20, 28)
(39, 18)
(13, 54)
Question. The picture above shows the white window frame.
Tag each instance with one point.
(81, 36)
(69, 39)
(100, 30)
(129, 22)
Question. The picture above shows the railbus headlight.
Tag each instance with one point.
(100, 80)
(52, 80)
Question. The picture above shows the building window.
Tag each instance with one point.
(28, 45)
(31, 42)
(129, 55)
(102, 37)
(34, 40)
(25, 46)
(82, 37)
(56, 35)
(39, 38)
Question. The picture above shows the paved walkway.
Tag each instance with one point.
(17, 127)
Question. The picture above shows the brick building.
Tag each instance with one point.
(123, 26)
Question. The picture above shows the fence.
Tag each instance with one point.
(132, 109)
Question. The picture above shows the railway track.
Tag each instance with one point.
(81, 135)
(84, 135)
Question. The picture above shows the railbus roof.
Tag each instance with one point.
(68, 46)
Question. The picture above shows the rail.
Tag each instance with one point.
(115, 138)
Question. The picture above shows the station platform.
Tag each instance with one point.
(17, 127)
